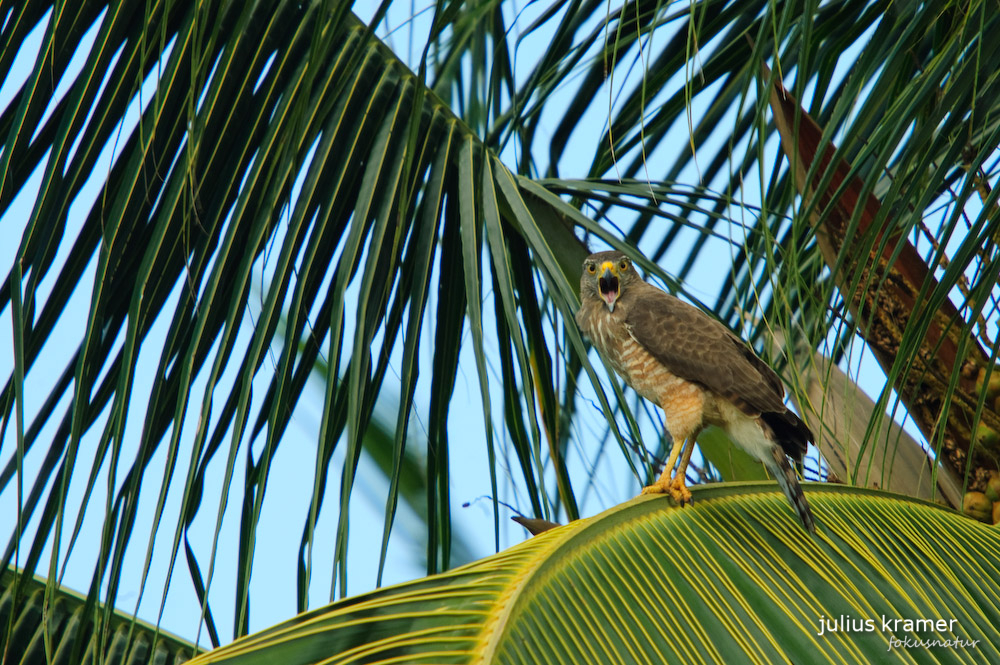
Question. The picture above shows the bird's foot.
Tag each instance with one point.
(656, 488)
(679, 491)
(676, 488)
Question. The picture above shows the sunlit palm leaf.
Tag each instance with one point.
(62, 632)
(731, 579)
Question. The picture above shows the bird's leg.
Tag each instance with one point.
(683, 409)
(677, 488)
(668, 483)
(663, 482)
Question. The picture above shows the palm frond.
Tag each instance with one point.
(731, 579)
(61, 631)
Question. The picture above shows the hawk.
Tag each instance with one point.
(695, 369)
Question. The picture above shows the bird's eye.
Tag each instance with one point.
(623, 265)
(591, 268)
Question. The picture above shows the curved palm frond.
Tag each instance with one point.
(61, 632)
(731, 579)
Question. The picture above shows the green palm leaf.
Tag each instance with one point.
(63, 632)
(731, 579)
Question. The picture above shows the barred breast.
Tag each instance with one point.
(641, 371)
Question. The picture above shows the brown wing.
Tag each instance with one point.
(697, 348)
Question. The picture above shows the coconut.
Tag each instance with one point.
(977, 506)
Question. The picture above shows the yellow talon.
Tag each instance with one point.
(679, 491)
(675, 487)
(656, 488)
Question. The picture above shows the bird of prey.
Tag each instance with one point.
(695, 369)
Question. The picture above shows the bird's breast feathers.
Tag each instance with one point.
(614, 341)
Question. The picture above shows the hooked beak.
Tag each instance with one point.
(609, 285)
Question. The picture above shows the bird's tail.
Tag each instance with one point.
(788, 482)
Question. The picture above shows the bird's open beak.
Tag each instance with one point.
(609, 284)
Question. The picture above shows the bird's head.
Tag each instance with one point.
(606, 275)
